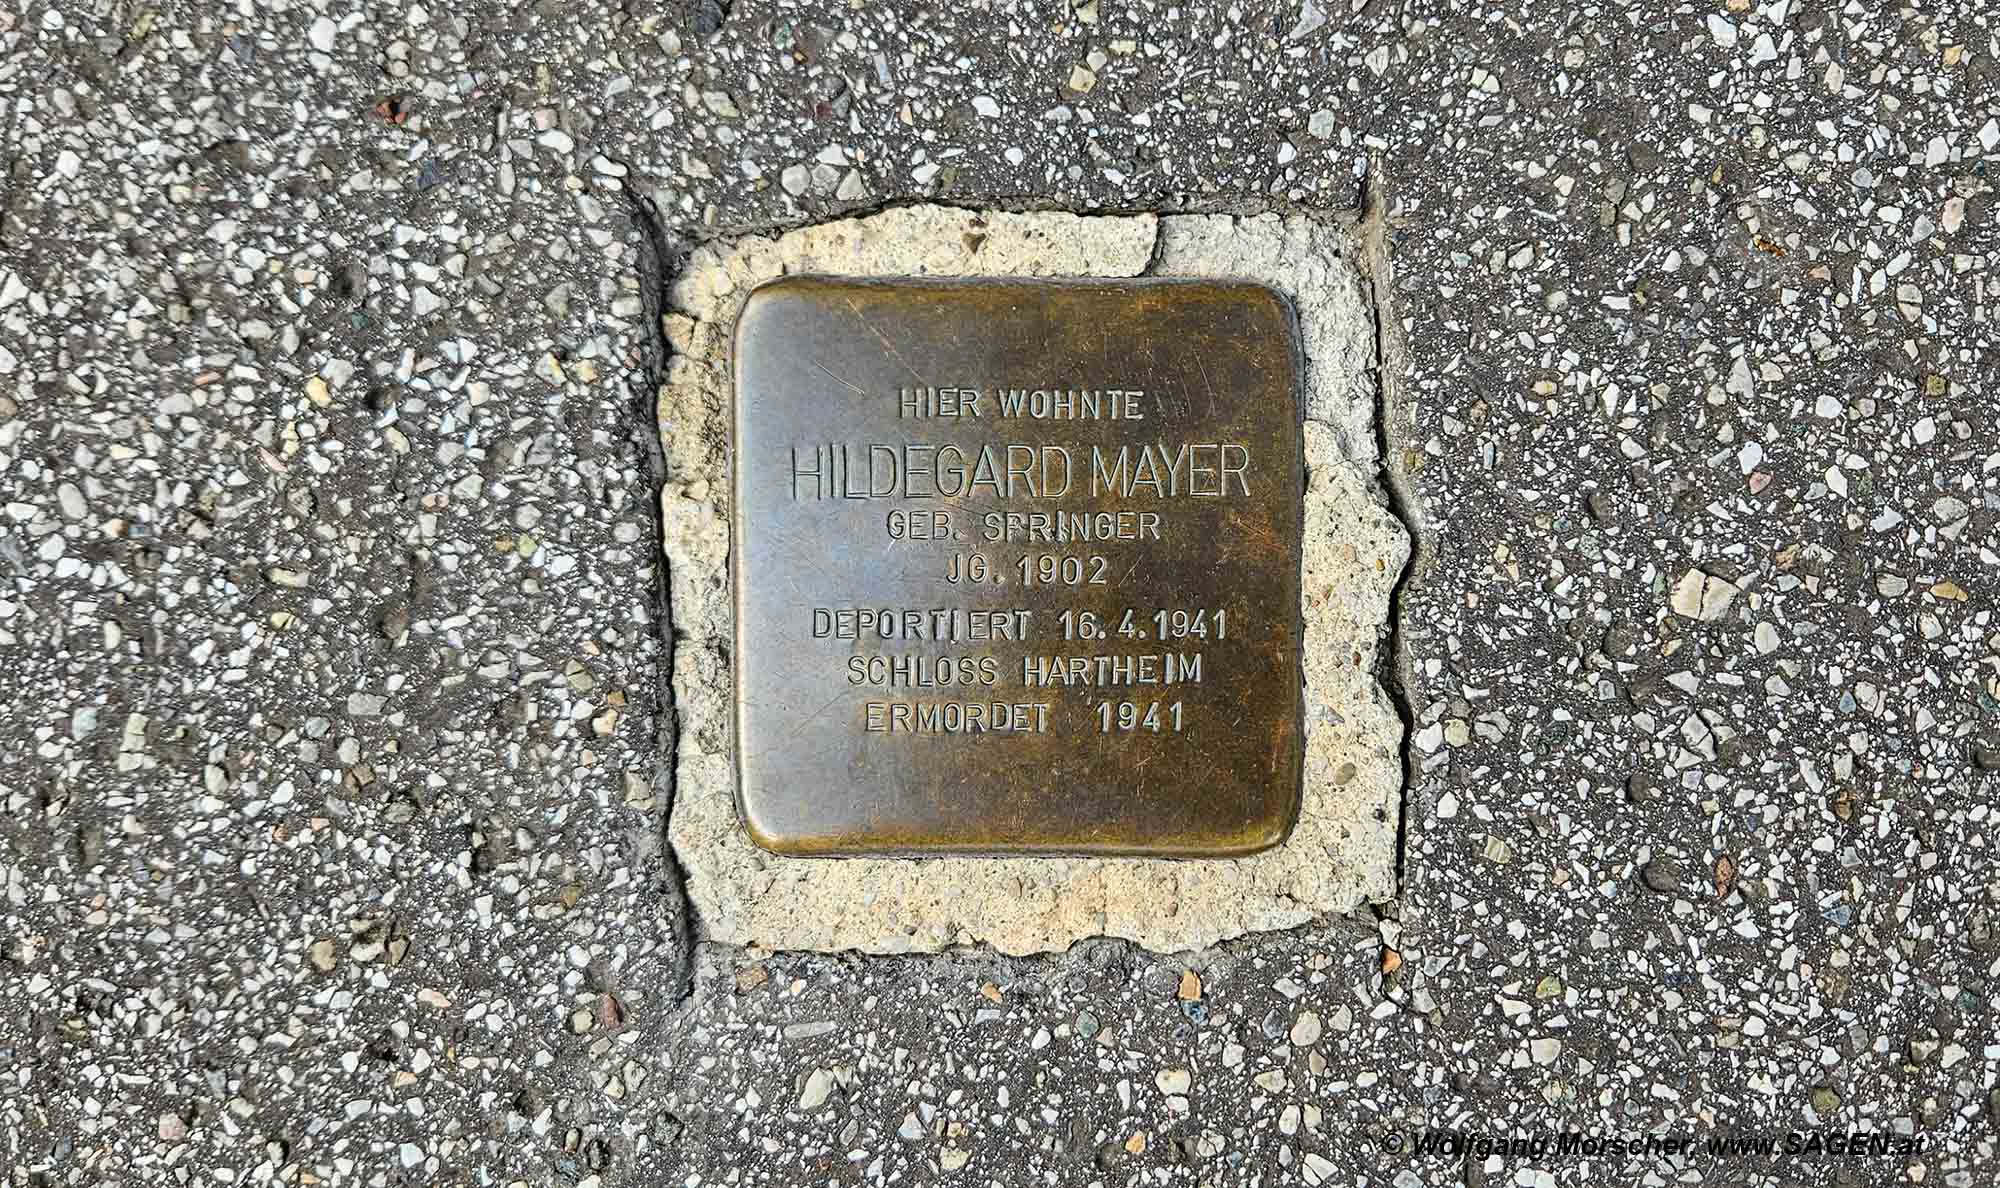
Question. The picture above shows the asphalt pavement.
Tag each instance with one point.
(336, 645)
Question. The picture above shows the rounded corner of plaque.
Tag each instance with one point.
(759, 832)
(1274, 833)
(767, 293)
(782, 845)
(1279, 301)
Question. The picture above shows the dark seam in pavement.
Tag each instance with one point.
(657, 260)
(1392, 663)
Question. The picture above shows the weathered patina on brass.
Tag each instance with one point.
(1016, 567)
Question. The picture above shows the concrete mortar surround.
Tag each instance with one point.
(1342, 851)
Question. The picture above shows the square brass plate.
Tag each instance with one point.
(1016, 567)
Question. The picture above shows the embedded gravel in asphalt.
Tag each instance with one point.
(336, 652)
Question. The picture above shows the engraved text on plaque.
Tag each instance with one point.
(1016, 567)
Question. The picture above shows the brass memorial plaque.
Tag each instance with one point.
(1016, 567)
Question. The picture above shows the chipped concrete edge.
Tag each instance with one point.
(1342, 852)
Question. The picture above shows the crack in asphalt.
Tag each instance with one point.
(658, 260)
